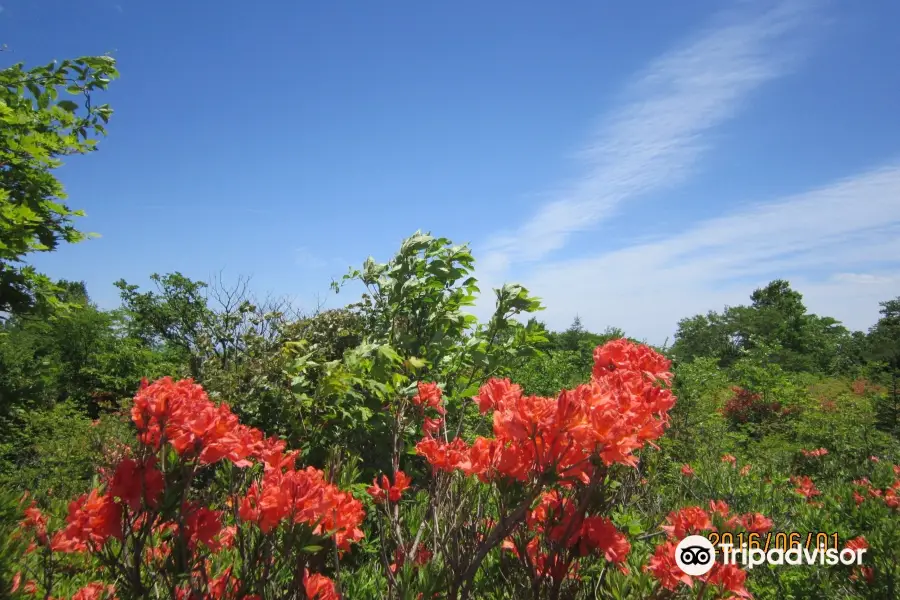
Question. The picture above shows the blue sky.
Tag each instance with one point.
(632, 163)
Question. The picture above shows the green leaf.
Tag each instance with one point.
(415, 362)
(67, 105)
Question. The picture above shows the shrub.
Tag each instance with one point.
(747, 407)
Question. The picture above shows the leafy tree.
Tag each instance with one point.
(776, 318)
(570, 338)
(415, 327)
(416, 303)
(176, 316)
(44, 361)
(331, 332)
(884, 336)
(238, 348)
(540, 328)
(884, 344)
(851, 354)
(37, 129)
(706, 335)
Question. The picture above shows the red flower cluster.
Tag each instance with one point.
(814, 453)
(694, 520)
(135, 483)
(202, 524)
(94, 591)
(599, 533)
(687, 521)
(619, 411)
(555, 517)
(386, 491)
(93, 519)
(555, 566)
(555, 521)
(303, 496)
(727, 578)
(429, 396)
(36, 522)
(319, 587)
(866, 573)
(181, 414)
(747, 407)
(805, 486)
(223, 587)
(890, 496)
(664, 569)
(423, 555)
(756, 523)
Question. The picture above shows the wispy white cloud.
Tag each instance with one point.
(655, 139)
(838, 245)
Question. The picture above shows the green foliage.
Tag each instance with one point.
(175, 316)
(884, 350)
(565, 359)
(546, 374)
(81, 355)
(778, 319)
(701, 388)
(416, 303)
(11, 549)
(414, 327)
(35, 457)
(238, 348)
(330, 333)
(885, 335)
(37, 128)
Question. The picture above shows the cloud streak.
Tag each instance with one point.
(839, 245)
(654, 141)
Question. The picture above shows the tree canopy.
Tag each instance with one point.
(40, 123)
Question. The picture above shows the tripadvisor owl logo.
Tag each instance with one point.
(695, 555)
